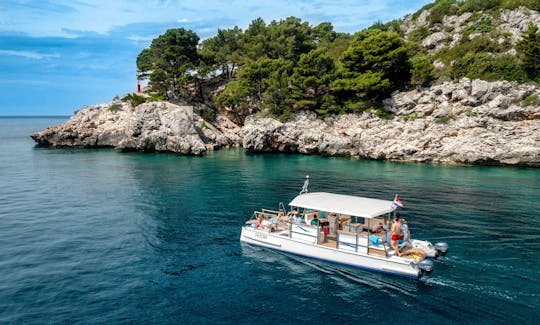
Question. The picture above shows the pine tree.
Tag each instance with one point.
(529, 52)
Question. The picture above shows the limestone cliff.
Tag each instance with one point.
(154, 126)
(469, 122)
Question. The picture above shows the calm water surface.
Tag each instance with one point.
(99, 236)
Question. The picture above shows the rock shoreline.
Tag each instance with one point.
(468, 122)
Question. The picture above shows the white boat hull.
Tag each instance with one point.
(308, 247)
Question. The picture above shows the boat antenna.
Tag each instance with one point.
(305, 187)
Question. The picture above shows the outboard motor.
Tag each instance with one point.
(441, 248)
(426, 266)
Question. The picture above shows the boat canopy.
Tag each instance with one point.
(343, 204)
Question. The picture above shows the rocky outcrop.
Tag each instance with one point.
(470, 122)
(154, 126)
(507, 24)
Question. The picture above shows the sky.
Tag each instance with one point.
(57, 56)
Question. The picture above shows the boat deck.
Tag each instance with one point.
(329, 243)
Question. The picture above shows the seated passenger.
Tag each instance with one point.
(282, 218)
(416, 252)
(378, 228)
(315, 221)
(266, 224)
(296, 217)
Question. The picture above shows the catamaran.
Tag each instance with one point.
(342, 229)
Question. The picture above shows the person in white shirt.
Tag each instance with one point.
(266, 224)
(405, 230)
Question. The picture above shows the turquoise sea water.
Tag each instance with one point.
(99, 236)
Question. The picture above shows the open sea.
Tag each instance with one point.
(101, 236)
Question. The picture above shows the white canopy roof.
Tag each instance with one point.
(343, 204)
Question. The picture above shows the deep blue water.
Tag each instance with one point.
(100, 236)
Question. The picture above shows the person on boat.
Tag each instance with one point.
(315, 221)
(415, 252)
(381, 226)
(259, 222)
(378, 228)
(266, 224)
(405, 230)
(296, 216)
(282, 218)
(395, 229)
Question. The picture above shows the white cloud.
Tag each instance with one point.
(65, 18)
(29, 54)
(142, 39)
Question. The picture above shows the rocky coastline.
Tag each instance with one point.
(467, 122)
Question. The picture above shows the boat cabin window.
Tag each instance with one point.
(309, 215)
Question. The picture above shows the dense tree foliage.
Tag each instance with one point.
(169, 60)
(287, 65)
(422, 72)
(529, 50)
(223, 51)
(311, 82)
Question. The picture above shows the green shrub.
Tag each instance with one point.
(531, 100)
(413, 116)
(488, 67)
(379, 110)
(394, 26)
(444, 119)
(528, 50)
(285, 115)
(440, 9)
(478, 5)
(484, 26)
(156, 98)
(422, 72)
(134, 99)
(208, 115)
(513, 4)
(426, 7)
(481, 43)
(419, 34)
(115, 107)
(384, 114)
(466, 46)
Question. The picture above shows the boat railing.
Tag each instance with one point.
(360, 241)
(272, 215)
(269, 212)
(282, 208)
